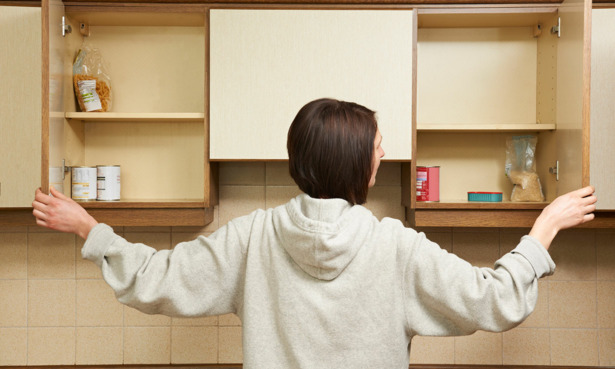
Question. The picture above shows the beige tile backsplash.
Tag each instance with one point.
(55, 309)
(99, 346)
(526, 346)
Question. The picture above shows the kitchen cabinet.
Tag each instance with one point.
(267, 63)
(20, 105)
(157, 129)
(195, 84)
(488, 73)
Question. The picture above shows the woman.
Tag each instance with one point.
(319, 282)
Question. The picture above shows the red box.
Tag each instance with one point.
(428, 183)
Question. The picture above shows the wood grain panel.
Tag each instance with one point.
(239, 366)
(154, 217)
(570, 81)
(307, 2)
(475, 218)
(55, 92)
(491, 218)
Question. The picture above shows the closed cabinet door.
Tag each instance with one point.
(20, 105)
(266, 64)
(602, 131)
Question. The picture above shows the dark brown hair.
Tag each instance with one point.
(330, 149)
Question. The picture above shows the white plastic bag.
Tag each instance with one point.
(521, 169)
(91, 81)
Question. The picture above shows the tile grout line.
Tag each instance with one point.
(75, 279)
(452, 239)
(123, 332)
(27, 294)
(499, 256)
(218, 342)
(597, 315)
(548, 287)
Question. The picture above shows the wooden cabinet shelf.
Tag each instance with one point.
(135, 117)
(467, 205)
(496, 218)
(485, 127)
(142, 204)
(153, 214)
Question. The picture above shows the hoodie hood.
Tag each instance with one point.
(323, 235)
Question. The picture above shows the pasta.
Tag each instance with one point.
(102, 89)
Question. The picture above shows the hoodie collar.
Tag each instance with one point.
(323, 235)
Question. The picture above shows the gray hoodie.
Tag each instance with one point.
(318, 283)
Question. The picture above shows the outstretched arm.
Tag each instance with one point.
(198, 277)
(566, 211)
(61, 213)
(449, 296)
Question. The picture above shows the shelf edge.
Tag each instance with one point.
(135, 117)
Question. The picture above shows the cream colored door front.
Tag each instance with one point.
(602, 132)
(266, 64)
(20, 105)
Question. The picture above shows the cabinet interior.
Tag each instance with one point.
(156, 129)
(483, 77)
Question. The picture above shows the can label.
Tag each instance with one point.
(55, 178)
(83, 183)
(427, 183)
(108, 182)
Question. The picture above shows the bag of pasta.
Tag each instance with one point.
(91, 81)
(521, 169)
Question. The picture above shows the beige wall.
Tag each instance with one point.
(56, 310)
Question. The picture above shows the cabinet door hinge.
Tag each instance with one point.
(66, 28)
(558, 28)
(65, 169)
(555, 170)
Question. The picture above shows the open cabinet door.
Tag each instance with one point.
(602, 133)
(52, 169)
(572, 106)
(20, 113)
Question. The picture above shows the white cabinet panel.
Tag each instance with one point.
(266, 64)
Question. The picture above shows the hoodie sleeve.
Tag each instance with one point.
(195, 278)
(447, 296)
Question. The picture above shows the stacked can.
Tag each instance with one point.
(108, 182)
(428, 183)
(84, 183)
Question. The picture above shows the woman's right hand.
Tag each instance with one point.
(61, 213)
(566, 211)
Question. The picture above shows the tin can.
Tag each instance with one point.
(428, 183)
(83, 183)
(55, 178)
(108, 182)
